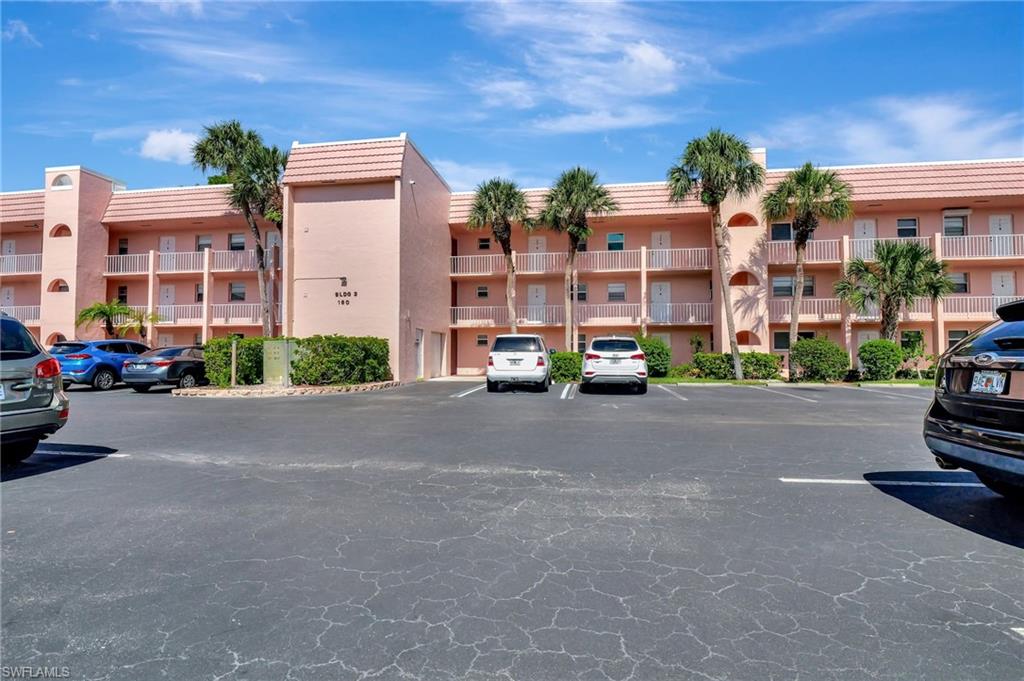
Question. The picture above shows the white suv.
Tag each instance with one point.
(518, 358)
(611, 359)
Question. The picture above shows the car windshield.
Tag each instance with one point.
(15, 341)
(163, 352)
(66, 348)
(516, 344)
(615, 345)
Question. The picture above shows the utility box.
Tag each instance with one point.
(277, 362)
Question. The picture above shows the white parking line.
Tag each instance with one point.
(569, 391)
(674, 394)
(894, 395)
(1018, 630)
(778, 392)
(471, 390)
(892, 483)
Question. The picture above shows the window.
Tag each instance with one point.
(483, 243)
(954, 225)
(912, 339)
(906, 227)
(62, 181)
(60, 231)
(960, 282)
(782, 231)
(517, 344)
(582, 246)
(482, 292)
(780, 339)
(481, 339)
(199, 293)
(236, 242)
(615, 345)
(581, 344)
(197, 339)
(616, 293)
(122, 246)
(581, 292)
(58, 286)
(136, 348)
(954, 336)
(236, 292)
(205, 241)
(122, 294)
(616, 241)
(782, 287)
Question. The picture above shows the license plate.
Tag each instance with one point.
(3, 395)
(988, 382)
(138, 366)
(515, 362)
(615, 361)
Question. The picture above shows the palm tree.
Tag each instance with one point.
(900, 274)
(807, 195)
(254, 171)
(136, 321)
(711, 167)
(498, 204)
(108, 314)
(575, 195)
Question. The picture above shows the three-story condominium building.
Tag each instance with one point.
(375, 243)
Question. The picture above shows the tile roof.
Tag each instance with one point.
(22, 206)
(357, 161)
(204, 201)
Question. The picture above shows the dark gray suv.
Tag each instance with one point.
(33, 404)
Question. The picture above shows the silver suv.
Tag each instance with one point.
(33, 404)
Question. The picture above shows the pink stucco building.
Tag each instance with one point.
(374, 242)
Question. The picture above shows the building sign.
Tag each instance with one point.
(277, 362)
(344, 296)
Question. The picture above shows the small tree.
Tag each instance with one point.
(109, 315)
(498, 204)
(137, 321)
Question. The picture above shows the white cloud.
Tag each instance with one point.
(897, 129)
(603, 119)
(16, 29)
(464, 177)
(515, 93)
(169, 145)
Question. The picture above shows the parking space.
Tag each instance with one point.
(438, 531)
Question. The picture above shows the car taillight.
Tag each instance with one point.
(163, 362)
(591, 355)
(640, 356)
(64, 413)
(80, 355)
(490, 361)
(126, 362)
(540, 360)
(48, 368)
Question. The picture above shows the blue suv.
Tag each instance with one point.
(96, 363)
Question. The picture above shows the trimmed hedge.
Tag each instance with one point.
(881, 359)
(659, 356)
(713, 365)
(318, 360)
(760, 365)
(818, 359)
(566, 367)
(718, 365)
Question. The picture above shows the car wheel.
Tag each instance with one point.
(140, 388)
(543, 386)
(492, 386)
(16, 452)
(1009, 490)
(104, 379)
(187, 381)
(642, 388)
(584, 387)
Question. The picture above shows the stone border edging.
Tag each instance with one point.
(263, 391)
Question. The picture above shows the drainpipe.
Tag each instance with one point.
(845, 313)
(938, 309)
(643, 291)
(151, 299)
(207, 292)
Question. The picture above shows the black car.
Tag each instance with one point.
(976, 420)
(181, 365)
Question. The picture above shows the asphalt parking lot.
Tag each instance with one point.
(437, 531)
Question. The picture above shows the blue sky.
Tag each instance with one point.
(521, 90)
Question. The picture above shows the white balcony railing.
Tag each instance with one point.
(679, 313)
(236, 261)
(180, 314)
(477, 264)
(865, 248)
(974, 307)
(236, 313)
(29, 263)
(26, 314)
(823, 250)
(182, 261)
(135, 263)
(921, 309)
(679, 259)
(138, 309)
(540, 314)
(539, 263)
(811, 309)
(983, 246)
(610, 313)
(480, 315)
(608, 261)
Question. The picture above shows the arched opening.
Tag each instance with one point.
(55, 337)
(743, 220)
(60, 230)
(58, 286)
(747, 338)
(62, 181)
(743, 279)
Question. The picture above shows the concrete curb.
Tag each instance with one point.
(262, 391)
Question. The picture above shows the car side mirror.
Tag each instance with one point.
(551, 351)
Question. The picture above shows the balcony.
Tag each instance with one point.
(974, 307)
(586, 261)
(26, 314)
(540, 263)
(865, 248)
(238, 261)
(811, 309)
(608, 261)
(237, 313)
(135, 263)
(188, 315)
(183, 261)
(784, 252)
(920, 310)
(31, 263)
(679, 313)
(983, 246)
(495, 315)
(679, 259)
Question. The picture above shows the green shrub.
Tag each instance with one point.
(249, 362)
(818, 359)
(659, 356)
(759, 365)
(334, 360)
(881, 359)
(566, 367)
(713, 365)
(682, 371)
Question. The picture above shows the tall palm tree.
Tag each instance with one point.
(498, 204)
(253, 170)
(712, 167)
(900, 274)
(108, 314)
(806, 195)
(575, 196)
